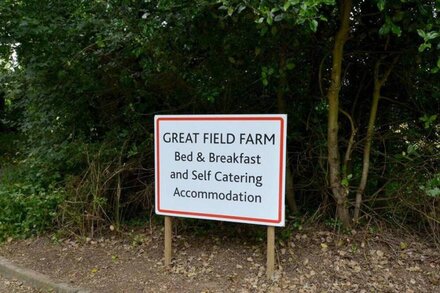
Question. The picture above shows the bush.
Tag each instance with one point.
(26, 210)
(112, 189)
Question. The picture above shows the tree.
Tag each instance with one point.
(357, 79)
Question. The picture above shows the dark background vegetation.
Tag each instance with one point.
(80, 83)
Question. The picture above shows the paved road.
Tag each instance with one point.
(14, 286)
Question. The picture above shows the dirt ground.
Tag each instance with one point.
(313, 260)
(15, 286)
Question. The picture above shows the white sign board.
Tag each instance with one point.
(221, 167)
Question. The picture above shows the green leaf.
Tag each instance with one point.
(398, 16)
(412, 149)
(346, 181)
(396, 30)
(279, 17)
(269, 19)
(434, 192)
(421, 33)
(385, 29)
(313, 25)
(424, 46)
(257, 51)
(428, 120)
(290, 66)
(100, 43)
(381, 5)
(431, 35)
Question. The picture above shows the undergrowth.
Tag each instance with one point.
(26, 210)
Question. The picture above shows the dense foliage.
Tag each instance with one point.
(82, 80)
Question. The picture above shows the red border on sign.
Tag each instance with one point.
(223, 118)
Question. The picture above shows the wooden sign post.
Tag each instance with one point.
(270, 266)
(221, 167)
(168, 240)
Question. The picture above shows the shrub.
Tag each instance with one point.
(26, 210)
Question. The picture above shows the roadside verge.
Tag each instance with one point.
(35, 279)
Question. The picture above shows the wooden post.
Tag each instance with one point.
(270, 251)
(168, 240)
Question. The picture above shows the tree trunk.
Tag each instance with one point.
(367, 151)
(343, 214)
(339, 192)
(378, 83)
